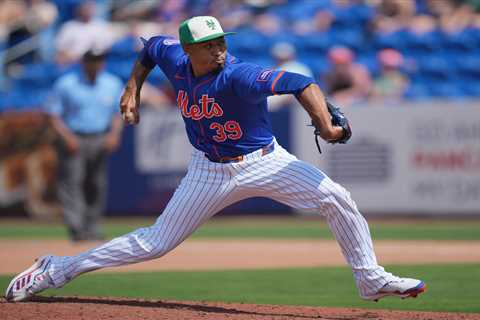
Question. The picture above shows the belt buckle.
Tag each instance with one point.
(268, 149)
(231, 159)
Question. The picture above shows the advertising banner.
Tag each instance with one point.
(418, 159)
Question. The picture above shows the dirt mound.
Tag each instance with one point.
(76, 308)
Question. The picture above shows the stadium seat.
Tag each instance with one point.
(123, 49)
(463, 42)
(318, 63)
(417, 91)
(250, 42)
(419, 44)
(470, 65)
(38, 75)
(394, 40)
(472, 89)
(370, 62)
(352, 18)
(348, 38)
(449, 89)
(436, 67)
(315, 43)
(121, 68)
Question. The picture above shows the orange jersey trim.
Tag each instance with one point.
(275, 81)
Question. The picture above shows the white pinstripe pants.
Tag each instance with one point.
(209, 187)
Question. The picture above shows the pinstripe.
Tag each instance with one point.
(208, 187)
(186, 208)
(115, 252)
(307, 179)
(194, 219)
(358, 219)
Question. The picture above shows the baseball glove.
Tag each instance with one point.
(339, 120)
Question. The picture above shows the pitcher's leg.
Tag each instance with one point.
(193, 203)
(302, 186)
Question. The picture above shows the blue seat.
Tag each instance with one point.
(426, 43)
(446, 89)
(123, 49)
(463, 42)
(20, 98)
(370, 62)
(472, 89)
(417, 91)
(250, 42)
(352, 39)
(315, 43)
(470, 65)
(121, 68)
(298, 10)
(436, 67)
(318, 63)
(38, 75)
(394, 40)
(353, 17)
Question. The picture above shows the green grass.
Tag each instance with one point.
(273, 228)
(454, 288)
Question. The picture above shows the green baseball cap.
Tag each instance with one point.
(200, 29)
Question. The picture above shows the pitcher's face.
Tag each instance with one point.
(209, 55)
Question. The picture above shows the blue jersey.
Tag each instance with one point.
(225, 112)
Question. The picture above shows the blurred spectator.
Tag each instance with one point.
(267, 24)
(285, 56)
(77, 36)
(285, 59)
(22, 22)
(452, 15)
(321, 22)
(127, 10)
(347, 82)
(232, 13)
(391, 82)
(84, 112)
(393, 15)
(421, 24)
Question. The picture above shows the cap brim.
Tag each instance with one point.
(213, 36)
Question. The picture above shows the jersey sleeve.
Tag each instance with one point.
(254, 83)
(162, 51)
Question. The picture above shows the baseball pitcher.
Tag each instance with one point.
(223, 102)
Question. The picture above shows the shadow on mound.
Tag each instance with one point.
(200, 307)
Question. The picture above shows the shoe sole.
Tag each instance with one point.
(410, 293)
(39, 263)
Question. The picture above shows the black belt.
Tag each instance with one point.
(265, 150)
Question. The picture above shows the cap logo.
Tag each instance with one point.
(211, 24)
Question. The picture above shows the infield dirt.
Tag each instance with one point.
(82, 308)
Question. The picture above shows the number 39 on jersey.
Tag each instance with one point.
(208, 109)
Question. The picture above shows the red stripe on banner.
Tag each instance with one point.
(29, 278)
